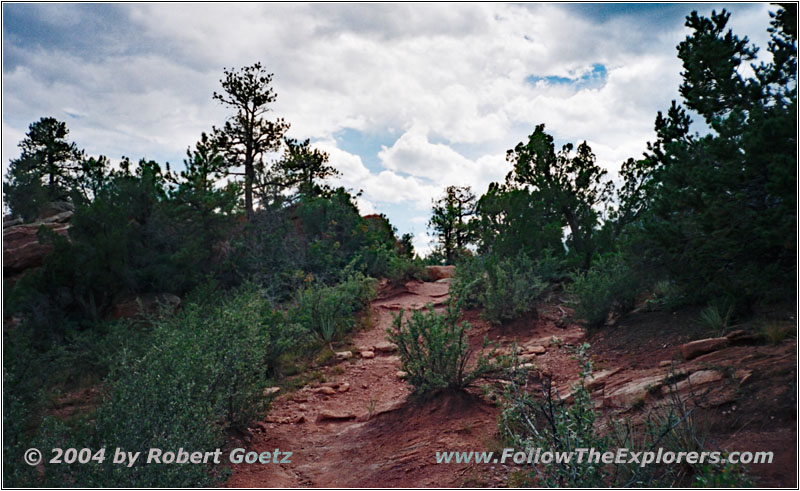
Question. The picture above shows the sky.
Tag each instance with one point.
(407, 99)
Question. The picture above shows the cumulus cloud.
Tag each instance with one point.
(452, 85)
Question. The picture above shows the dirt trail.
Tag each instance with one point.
(382, 438)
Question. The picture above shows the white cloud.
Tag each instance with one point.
(447, 80)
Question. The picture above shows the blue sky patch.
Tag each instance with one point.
(365, 145)
(592, 79)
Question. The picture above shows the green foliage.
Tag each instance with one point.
(200, 212)
(722, 476)
(247, 135)
(302, 167)
(609, 285)
(510, 220)
(666, 295)
(125, 241)
(722, 207)
(469, 282)
(328, 311)
(449, 220)
(205, 374)
(548, 422)
(773, 332)
(434, 350)
(571, 187)
(505, 288)
(511, 288)
(46, 170)
(716, 318)
(24, 374)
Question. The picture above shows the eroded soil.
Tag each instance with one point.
(363, 428)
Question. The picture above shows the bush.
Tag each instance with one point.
(469, 282)
(204, 374)
(505, 289)
(550, 423)
(716, 318)
(609, 285)
(434, 350)
(512, 287)
(328, 311)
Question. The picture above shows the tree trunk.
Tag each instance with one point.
(580, 243)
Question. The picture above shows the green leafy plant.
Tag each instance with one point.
(716, 318)
(328, 311)
(550, 422)
(504, 288)
(773, 332)
(434, 350)
(607, 286)
(204, 375)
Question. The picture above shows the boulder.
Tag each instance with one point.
(742, 337)
(696, 348)
(344, 387)
(10, 222)
(327, 415)
(598, 379)
(271, 390)
(632, 392)
(703, 377)
(367, 355)
(344, 355)
(535, 349)
(704, 387)
(329, 391)
(386, 347)
(439, 272)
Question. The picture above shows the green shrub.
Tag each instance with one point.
(666, 295)
(512, 287)
(505, 288)
(469, 281)
(329, 311)
(204, 373)
(434, 350)
(773, 332)
(716, 318)
(607, 286)
(550, 423)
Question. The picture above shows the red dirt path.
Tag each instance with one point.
(392, 438)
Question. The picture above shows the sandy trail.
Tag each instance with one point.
(383, 438)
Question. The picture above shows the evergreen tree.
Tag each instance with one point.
(45, 171)
(570, 185)
(722, 215)
(302, 167)
(450, 218)
(247, 135)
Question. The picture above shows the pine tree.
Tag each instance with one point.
(46, 170)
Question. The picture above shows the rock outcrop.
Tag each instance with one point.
(22, 247)
(440, 272)
(702, 346)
